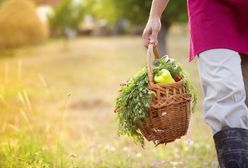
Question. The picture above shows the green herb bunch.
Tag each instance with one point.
(133, 100)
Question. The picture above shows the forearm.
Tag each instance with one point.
(158, 6)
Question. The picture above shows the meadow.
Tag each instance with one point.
(57, 107)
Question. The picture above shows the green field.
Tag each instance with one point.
(56, 107)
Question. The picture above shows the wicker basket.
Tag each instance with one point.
(170, 109)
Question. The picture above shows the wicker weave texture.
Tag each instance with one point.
(169, 113)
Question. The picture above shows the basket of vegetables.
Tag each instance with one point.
(157, 102)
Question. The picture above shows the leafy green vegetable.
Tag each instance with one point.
(133, 100)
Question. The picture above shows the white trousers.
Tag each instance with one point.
(224, 89)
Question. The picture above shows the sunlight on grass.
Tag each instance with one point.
(56, 107)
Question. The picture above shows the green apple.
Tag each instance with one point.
(164, 77)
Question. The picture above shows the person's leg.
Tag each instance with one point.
(223, 86)
(244, 66)
(225, 110)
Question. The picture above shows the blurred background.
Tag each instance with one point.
(61, 63)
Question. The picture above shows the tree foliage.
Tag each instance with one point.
(137, 11)
(66, 15)
(1, 1)
(103, 9)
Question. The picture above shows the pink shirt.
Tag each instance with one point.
(218, 24)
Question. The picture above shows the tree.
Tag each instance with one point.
(103, 9)
(137, 12)
(1, 1)
(66, 15)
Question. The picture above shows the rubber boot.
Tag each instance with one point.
(232, 147)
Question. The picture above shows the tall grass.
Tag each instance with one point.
(22, 145)
(61, 116)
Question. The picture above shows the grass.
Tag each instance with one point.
(56, 107)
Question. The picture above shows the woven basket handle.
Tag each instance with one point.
(151, 51)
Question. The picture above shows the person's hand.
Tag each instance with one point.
(150, 34)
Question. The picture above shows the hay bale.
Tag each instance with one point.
(20, 24)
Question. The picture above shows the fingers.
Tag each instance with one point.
(154, 37)
(150, 36)
(146, 36)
